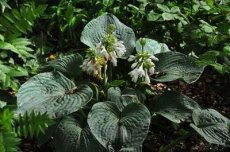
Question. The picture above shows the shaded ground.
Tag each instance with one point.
(210, 91)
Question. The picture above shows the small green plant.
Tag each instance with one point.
(8, 140)
(14, 24)
(100, 106)
(12, 129)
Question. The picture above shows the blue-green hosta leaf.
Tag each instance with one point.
(114, 94)
(132, 149)
(52, 93)
(68, 65)
(96, 29)
(118, 129)
(70, 136)
(174, 106)
(152, 46)
(135, 92)
(174, 65)
(211, 125)
(121, 100)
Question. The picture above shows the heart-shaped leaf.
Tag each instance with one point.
(97, 28)
(174, 65)
(68, 65)
(132, 149)
(52, 93)
(114, 94)
(119, 129)
(121, 100)
(211, 125)
(174, 106)
(151, 46)
(70, 136)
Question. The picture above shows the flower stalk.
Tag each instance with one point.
(109, 49)
(105, 78)
(143, 66)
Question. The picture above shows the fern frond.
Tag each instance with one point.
(31, 125)
(9, 142)
(6, 117)
(20, 21)
(8, 75)
(2, 37)
(19, 46)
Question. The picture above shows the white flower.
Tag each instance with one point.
(119, 48)
(143, 67)
(92, 66)
(113, 58)
(117, 51)
(152, 70)
(147, 79)
(131, 58)
(141, 71)
(154, 58)
(136, 73)
(105, 53)
(134, 65)
(100, 49)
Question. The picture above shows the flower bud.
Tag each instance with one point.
(142, 42)
(111, 28)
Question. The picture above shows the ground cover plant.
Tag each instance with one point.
(100, 96)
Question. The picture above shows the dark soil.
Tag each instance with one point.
(210, 91)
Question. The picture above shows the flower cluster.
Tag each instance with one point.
(93, 63)
(111, 53)
(143, 67)
(108, 49)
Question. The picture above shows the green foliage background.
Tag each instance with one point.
(34, 32)
(200, 28)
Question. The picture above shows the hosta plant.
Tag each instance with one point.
(104, 101)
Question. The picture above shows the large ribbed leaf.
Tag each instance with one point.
(52, 93)
(121, 100)
(96, 29)
(174, 65)
(114, 94)
(70, 136)
(118, 129)
(68, 65)
(132, 149)
(174, 106)
(211, 125)
(151, 46)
